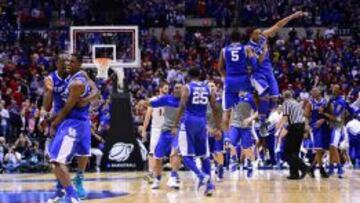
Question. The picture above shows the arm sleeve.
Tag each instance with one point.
(158, 102)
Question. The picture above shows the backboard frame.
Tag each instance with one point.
(116, 64)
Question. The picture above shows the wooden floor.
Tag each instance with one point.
(265, 186)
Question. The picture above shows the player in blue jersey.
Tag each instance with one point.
(216, 146)
(233, 67)
(167, 145)
(319, 128)
(194, 101)
(71, 127)
(336, 118)
(244, 113)
(263, 79)
(55, 85)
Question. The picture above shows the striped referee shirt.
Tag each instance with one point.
(294, 111)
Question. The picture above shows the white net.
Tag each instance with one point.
(102, 65)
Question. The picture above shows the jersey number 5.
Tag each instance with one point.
(200, 98)
(235, 55)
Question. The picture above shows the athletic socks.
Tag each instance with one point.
(190, 163)
(234, 158)
(220, 169)
(206, 166)
(174, 174)
(70, 191)
(59, 186)
(80, 173)
(158, 178)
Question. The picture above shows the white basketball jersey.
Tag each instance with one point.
(157, 117)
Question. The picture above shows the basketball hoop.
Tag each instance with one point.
(102, 65)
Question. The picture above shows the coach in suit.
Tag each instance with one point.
(294, 117)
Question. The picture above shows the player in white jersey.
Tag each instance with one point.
(157, 120)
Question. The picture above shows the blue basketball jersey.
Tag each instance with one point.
(81, 113)
(315, 115)
(199, 94)
(338, 105)
(258, 48)
(235, 60)
(58, 91)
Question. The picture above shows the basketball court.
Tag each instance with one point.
(265, 186)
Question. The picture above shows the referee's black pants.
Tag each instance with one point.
(292, 146)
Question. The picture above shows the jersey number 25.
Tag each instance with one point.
(200, 98)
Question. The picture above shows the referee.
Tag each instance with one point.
(294, 116)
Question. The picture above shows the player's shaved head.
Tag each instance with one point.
(73, 64)
(60, 64)
(235, 36)
(194, 73)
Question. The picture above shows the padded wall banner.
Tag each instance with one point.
(122, 151)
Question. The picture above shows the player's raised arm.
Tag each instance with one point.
(280, 24)
(221, 64)
(75, 91)
(48, 94)
(180, 111)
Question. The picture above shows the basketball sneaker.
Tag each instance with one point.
(249, 172)
(58, 196)
(72, 199)
(149, 178)
(203, 181)
(323, 173)
(172, 183)
(340, 172)
(209, 190)
(79, 185)
(220, 174)
(156, 184)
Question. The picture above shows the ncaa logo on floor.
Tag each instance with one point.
(121, 151)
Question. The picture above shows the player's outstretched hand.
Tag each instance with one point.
(299, 14)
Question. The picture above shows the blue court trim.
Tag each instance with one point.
(41, 196)
(53, 180)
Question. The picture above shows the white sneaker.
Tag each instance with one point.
(97, 169)
(172, 183)
(156, 184)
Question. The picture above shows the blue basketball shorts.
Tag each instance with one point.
(265, 82)
(337, 135)
(241, 134)
(193, 138)
(72, 138)
(232, 86)
(166, 143)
